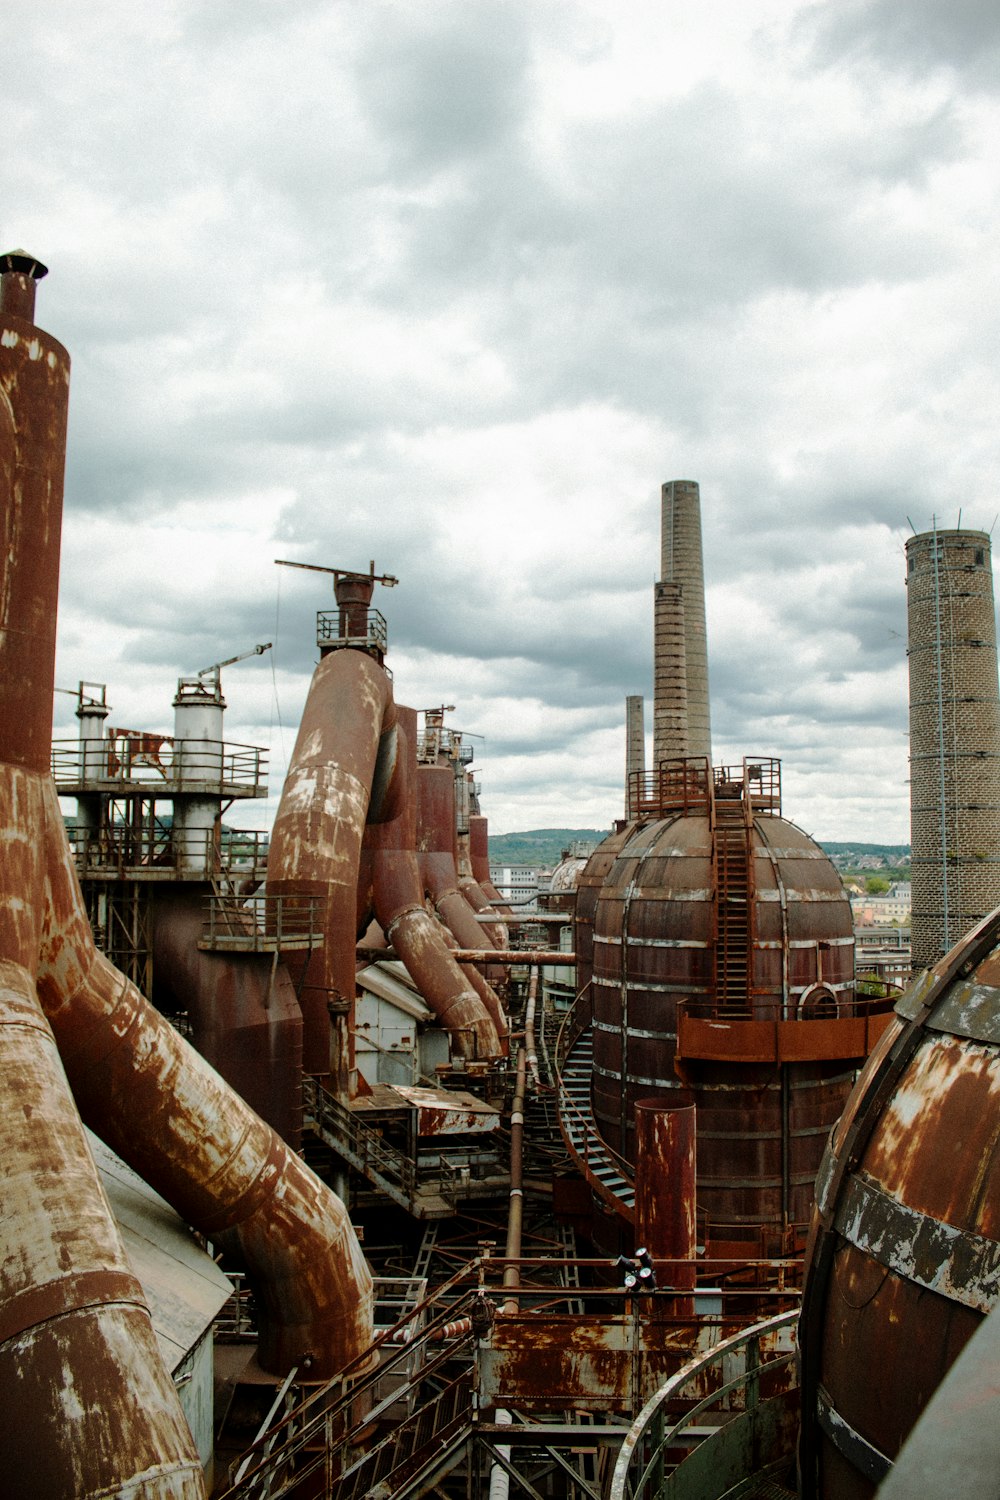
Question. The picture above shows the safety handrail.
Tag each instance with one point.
(648, 1439)
(578, 1019)
(369, 1147)
(320, 1428)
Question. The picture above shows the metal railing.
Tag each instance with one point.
(263, 924)
(170, 767)
(757, 780)
(329, 638)
(122, 846)
(682, 785)
(318, 1438)
(362, 1146)
(594, 1151)
(647, 1467)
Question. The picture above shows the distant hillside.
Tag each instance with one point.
(540, 846)
(544, 847)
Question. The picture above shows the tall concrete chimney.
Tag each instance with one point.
(954, 737)
(635, 745)
(681, 724)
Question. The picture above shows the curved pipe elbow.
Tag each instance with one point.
(416, 937)
(160, 1105)
(109, 1421)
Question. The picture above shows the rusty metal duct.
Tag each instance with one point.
(343, 773)
(479, 853)
(681, 720)
(415, 934)
(905, 1246)
(88, 1406)
(954, 737)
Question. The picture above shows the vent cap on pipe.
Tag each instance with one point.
(18, 273)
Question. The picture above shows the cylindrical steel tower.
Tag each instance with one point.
(954, 737)
(681, 568)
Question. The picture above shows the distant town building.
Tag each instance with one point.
(520, 885)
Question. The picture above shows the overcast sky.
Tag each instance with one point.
(455, 286)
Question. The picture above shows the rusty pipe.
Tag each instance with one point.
(34, 403)
(515, 1210)
(436, 852)
(476, 896)
(158, 1103)
(89, 1408)
(415, 935)
(344, 771)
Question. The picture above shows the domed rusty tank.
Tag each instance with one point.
(904, 1256)
(723, 961)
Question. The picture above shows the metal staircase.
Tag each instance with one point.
(324, 1444)
(607, 1173)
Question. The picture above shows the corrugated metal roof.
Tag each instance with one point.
(184, 1287)
(379, 980)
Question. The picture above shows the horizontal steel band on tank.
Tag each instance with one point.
(779, 1041)
(955, 1263)
(796, 853)
(968, 1010)
(810, 942)
(858, 1451)
(634, 1031)
(758, 1135)
(640, 895)
(799, 896)
(794, 1179)
(637, 1078)
(641, 986)
(648, 942)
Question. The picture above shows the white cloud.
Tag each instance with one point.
(456, 287)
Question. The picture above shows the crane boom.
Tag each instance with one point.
(232, 660)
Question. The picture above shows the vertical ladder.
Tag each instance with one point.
(732, 868)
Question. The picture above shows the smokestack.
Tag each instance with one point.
(635, 747)
(32, 459)
(681, 723)
(19, 272)
(954, 737)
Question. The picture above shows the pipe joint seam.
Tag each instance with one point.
(70, 1294)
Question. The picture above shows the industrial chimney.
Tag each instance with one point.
(681, 724)
(954, 737)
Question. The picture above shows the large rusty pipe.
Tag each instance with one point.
(665, 1192)
(344, 771)
(145, 1091)
(475, 894)
(416, 936)
(34, 403)
(479, 853)
(89, 1408)
(436, 853)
